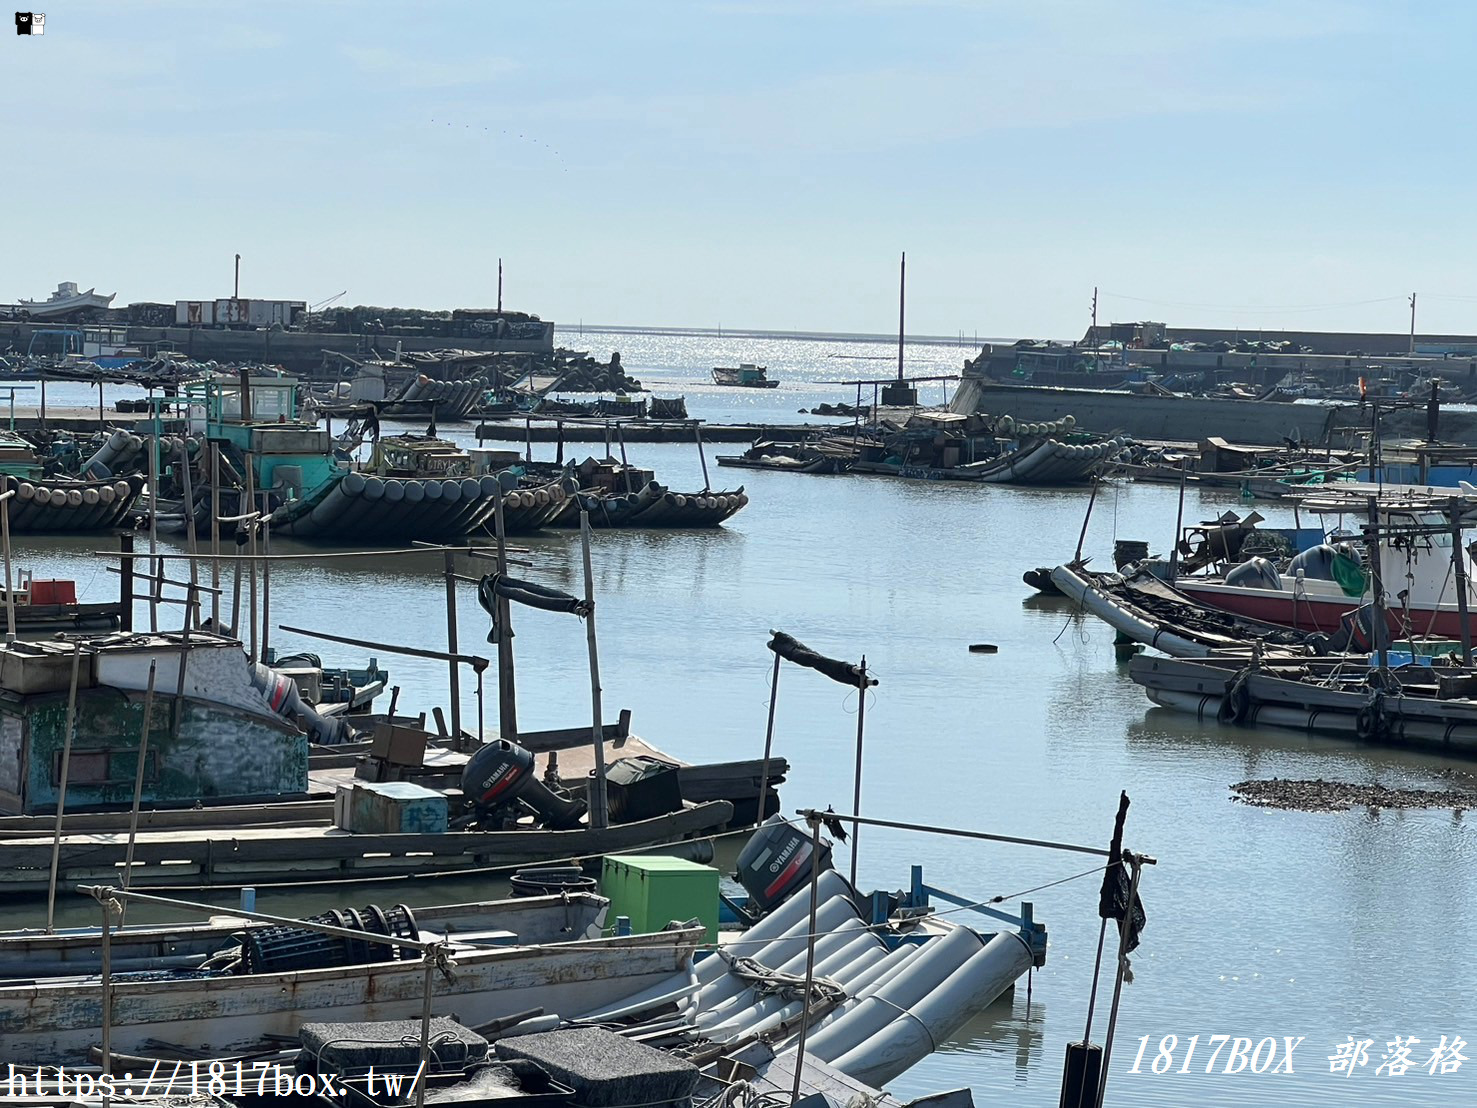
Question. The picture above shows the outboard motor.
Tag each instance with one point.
(777, 861)
(499, 777)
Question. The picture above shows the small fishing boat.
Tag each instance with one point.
(226, 986)
(65, 300)
(745, 375)
(1412, 706)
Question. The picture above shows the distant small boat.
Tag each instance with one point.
(746, 375)
(67, 299)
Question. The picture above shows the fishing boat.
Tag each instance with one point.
(66, 300)
(1417, 565)
(410, 488)
(47, 501)
(225, 986)
(1411, 706)
(745, 375)
(44, 608)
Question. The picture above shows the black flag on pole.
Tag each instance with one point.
(1113, 899)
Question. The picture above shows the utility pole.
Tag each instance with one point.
(1412, 324)
(1094, 322)
(499, 284)
(237, 294)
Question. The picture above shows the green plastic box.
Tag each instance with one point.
(654, 890)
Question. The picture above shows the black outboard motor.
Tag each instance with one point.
(777, 861)
(500, 776)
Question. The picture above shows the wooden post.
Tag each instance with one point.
(528, 440)
(620, 436)
(9, 583)
(61, 789)
(1459, 567)
(107, 984)
(125, 581)
(175, 717)
(599, 806)
(138, 779)
(43, 400)
(1381, 628)
(856, 797)
(698, 431)
(507, 690)
(454, 670)
(774, 692)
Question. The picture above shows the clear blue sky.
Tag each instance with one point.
(757, 163)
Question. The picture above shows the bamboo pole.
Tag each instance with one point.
(61, 791)
(856, 802)
(454, 671)
(507, 690)
(251, 566)
(599, 804)
(138, 778)
(701, 457)
(815, 875)
(266, 523)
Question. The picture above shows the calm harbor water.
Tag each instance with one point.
(1261, 923)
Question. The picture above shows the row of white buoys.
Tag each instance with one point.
(70, 505)
(1009, 425)
(453, 399)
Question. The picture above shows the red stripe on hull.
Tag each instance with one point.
(1314, 614)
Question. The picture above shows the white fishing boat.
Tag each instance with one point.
(184, 985)
(66, 299)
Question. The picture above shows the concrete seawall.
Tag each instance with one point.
(1190, 418)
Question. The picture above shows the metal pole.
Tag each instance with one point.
(266, 523)
(1091, 499)
(599, 809)
(1179, 522)
(154, 531)
(125, 581)
(774, 691)
(251, 565)
(138, 778)
(507, 691)
(215, 536)
(454, 670)
(189, 491)
(620, 436)
(61, 791)
(184, 655)
(1381, 628)
(1459, 566)
(1133, 889)
(5, 540)
(43, 400)
(856, 801)
(815, 874)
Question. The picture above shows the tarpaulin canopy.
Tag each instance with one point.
(792, 650)
(529, 593)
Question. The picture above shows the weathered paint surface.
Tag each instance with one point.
(219, 753)
(55, 1023)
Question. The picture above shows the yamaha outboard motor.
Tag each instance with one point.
(499, 779)
(777, 861)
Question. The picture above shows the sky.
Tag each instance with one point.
(1260, 164)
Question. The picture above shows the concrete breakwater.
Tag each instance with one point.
(1182, 418)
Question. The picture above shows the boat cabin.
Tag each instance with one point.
(286, 452)
(220, 742)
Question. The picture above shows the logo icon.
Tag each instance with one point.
(30, 23)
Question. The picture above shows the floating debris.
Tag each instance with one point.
(1340, 796)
